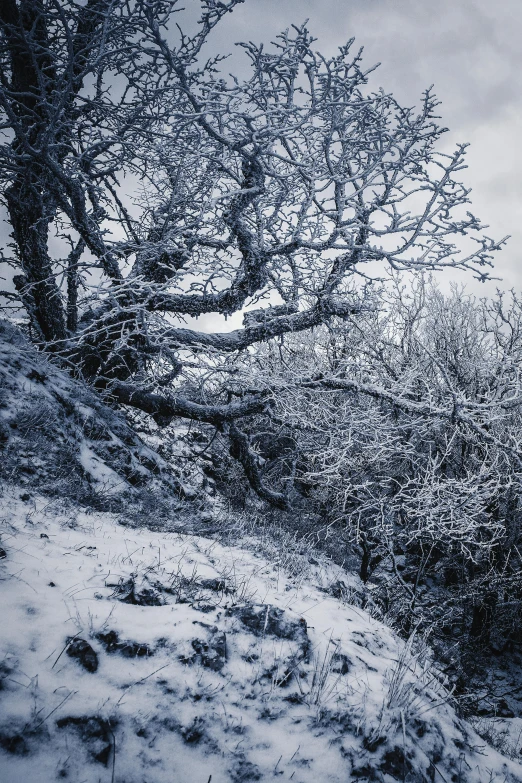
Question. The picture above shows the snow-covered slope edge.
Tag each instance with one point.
(56, 435)
(132, 656)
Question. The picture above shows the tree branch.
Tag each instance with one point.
(240, 450)
(239, 339)
(168, 407)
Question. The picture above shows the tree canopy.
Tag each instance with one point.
(144, 188)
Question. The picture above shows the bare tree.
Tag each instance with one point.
(182, 193)
(407, 419)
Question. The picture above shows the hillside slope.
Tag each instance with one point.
(57, 436)
(144, 656)
(132, 656)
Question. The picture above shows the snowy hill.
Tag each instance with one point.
(144, 656)
(132, 656)
(56, 435)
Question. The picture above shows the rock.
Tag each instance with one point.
(84, 654)
(3, 553)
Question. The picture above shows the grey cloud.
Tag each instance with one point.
(470, 50)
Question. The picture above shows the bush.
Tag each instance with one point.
(407, 431)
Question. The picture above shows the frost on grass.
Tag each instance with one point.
(129, 656)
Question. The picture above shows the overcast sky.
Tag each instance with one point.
(469, 49)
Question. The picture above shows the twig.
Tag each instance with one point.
(72, 693)
(296, 752)
(140, 681)
(113, 753)
(64, 649)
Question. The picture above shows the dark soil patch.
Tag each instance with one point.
(127, 648)
(82, 652)
(128, 593)
(215, 585)
(194, 733)
(14, 743)
(396, 764)
(211, 653)
(96, 733)
(341, 663)
(266, 620)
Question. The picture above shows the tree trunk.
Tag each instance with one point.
(37, 286)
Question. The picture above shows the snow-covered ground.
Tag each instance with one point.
(58, 436)
(132, 656)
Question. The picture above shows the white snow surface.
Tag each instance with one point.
(200, 694)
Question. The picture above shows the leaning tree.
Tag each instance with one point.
(145, 190)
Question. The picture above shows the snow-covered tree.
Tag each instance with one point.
(182, 194)
(407, 425)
